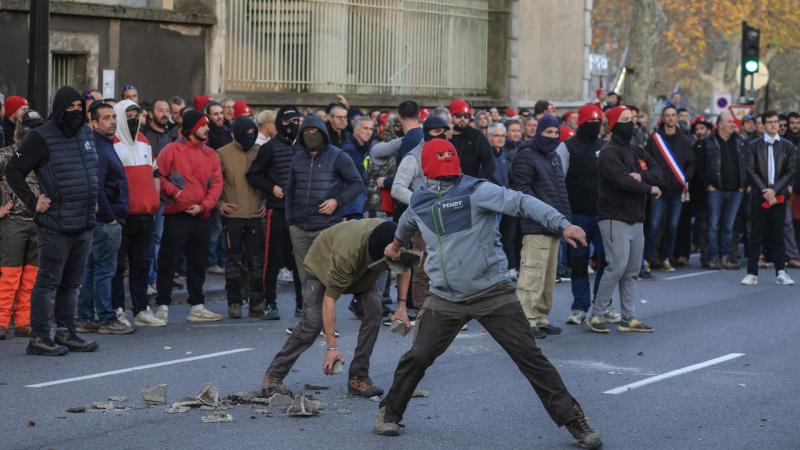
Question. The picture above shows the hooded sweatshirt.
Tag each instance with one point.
(190, 175)
(235, 161)
(271, 166)
(140, 168)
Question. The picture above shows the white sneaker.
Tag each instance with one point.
(752, 280)
(783, 279)
(162, 313)
(151, 290)
(285, 275)
(513, 274)
(199, 313)
(147, 319)
(576, 317)
(122, 317)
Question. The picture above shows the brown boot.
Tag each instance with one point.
(271, 386)
(729, 264)
(580, 429)
(22, 331)
(256, 311)
(363, 387)
(235, 311)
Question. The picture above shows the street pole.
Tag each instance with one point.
(38, 55)
(766, 97)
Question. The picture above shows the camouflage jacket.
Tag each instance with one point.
(19, 211)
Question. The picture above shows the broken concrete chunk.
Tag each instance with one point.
(190, 402)
(260, 400)
(209, 395)
(118, 399)
(316, 387)
(303, 407)
(77, 409)
(219, 417)
(280, 400)
(177, 409)
(420, 393)
(399, 327)
(156, 395)
(103, 405)
(338, 366)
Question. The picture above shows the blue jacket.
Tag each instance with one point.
(112, 195)
(358, 153)
(539, 174)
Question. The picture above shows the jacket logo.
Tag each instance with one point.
(88, 146)
(456, 205)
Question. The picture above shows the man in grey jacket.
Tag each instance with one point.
(457, 216)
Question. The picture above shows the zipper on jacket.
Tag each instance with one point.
(310, 177)
(438, 224)
(86, 174)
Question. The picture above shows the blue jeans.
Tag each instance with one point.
(667, 206)
(579, 262)
(157, 232)
(95, 294)
(722, 209)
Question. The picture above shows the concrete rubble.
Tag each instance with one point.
(155, 396)
(177, 409)
(280, 400)
(303, 407)
(209, 395)
(218, 417)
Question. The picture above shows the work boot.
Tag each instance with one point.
(115, 327)
(272, 313)
(24, 331)
(44, 346)
(87, 326)
(271, 386)
(255, 310)
(728, 264)
(363, 387)
(383, 426)
(580, 429)
(235, 311)
(73, 341)
(549, 329)
(666, 266)
(3, 332)
(714, 264)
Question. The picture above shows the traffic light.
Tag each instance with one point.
(750, 44)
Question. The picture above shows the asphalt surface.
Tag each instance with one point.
(478, 399)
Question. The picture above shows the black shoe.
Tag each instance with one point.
(44, 346)
(549, 329)
(645, 275)
(537, 333)
(74, 342)
(356, 309)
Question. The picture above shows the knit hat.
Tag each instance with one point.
(381, 236)
(434, 122)
(459, 106)
(565, 132)
(613, 115)
(545, 122)
(13, 104)
(192, 121)
(510, 112)
(589, 111)
(240, 108)
(200, 101)
(434, 167)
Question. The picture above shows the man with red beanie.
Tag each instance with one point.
(15, 107)
(457, 216)
(240, 108)
(191, 181)
(472, 145)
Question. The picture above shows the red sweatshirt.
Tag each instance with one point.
(190, 175)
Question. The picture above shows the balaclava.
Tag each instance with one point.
(434, 167)
(245, 132)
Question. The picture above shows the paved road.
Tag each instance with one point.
(478, 398)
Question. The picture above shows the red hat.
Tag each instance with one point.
(589, 111)
(510, 112)
(613, 115)
(565, 132)
(13, 104)
(240, 108)
(459, 106)
(200, 101)
(598, 91)
(423, 114)
(567, 115)
(434, 167)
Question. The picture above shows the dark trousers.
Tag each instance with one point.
(683, 240)
(307, 330)
(509, 229)
(419, 279)
(500, 313)
(135, 252)
(665, 210)
(279, 253)
(766, 228)
(62, 265)
(192, 233)
(579, 263)
(244, 239)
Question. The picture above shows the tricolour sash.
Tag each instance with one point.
(669, 157)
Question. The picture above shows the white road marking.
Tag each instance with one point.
(674, 373)
(137, 368)
(689, 275)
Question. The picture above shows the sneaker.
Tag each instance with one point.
(162, 313)
(537, 333)
(597, 324)
(576, 317)
(272, 313)
(44, 346)
(298, 312)
(645, 275)
(783, 279)
(634, 324)
(235, 311)
(714, 264)
(363, 387)
(750, 280)
(216, 269)
(667, 267)
(151, 290)
(285, 275)
(321, 333)
(549, 329)
(271, 386)
(681, 261)
(199, 313)
(146, 318)
(86, 326)
(611, 316)
(383, 426)
(513, 274)
(122, 316)
(115, 327)
(24, 331)
(729, 264)
(74, 342)
(255, 310)
(580, 429)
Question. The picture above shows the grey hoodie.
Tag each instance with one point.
(409, 175)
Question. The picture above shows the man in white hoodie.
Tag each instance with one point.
(141, 171)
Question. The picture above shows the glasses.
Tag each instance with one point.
(340, 117)
(772, 122)
(461, 116)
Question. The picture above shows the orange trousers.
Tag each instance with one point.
(19, 261)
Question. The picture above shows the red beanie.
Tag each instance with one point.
(434, 167)
(613, 115)
(423, 114)
(458, 106)
(567, 115)
(510, 112)
(565, 132)
(240, 108)
(13, 104)
(200, 101)
(589, 111)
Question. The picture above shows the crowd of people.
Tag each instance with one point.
(163, 192)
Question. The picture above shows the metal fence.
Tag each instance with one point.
(395, 47)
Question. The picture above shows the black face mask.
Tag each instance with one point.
(589, 131)
(314, 142)
(248, 140)
(133, 126)
(623, 131)
(291, 130)
(73, 120)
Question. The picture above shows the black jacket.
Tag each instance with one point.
(271, 168)
(707, 152)
(621, 196)
(682, 151)
(540, 175)
(783, 152)
(582, 175)
(337, 139)
(475, 154)
(219, 137)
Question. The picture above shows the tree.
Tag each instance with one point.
(643, 37)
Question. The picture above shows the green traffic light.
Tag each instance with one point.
(751, 66)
